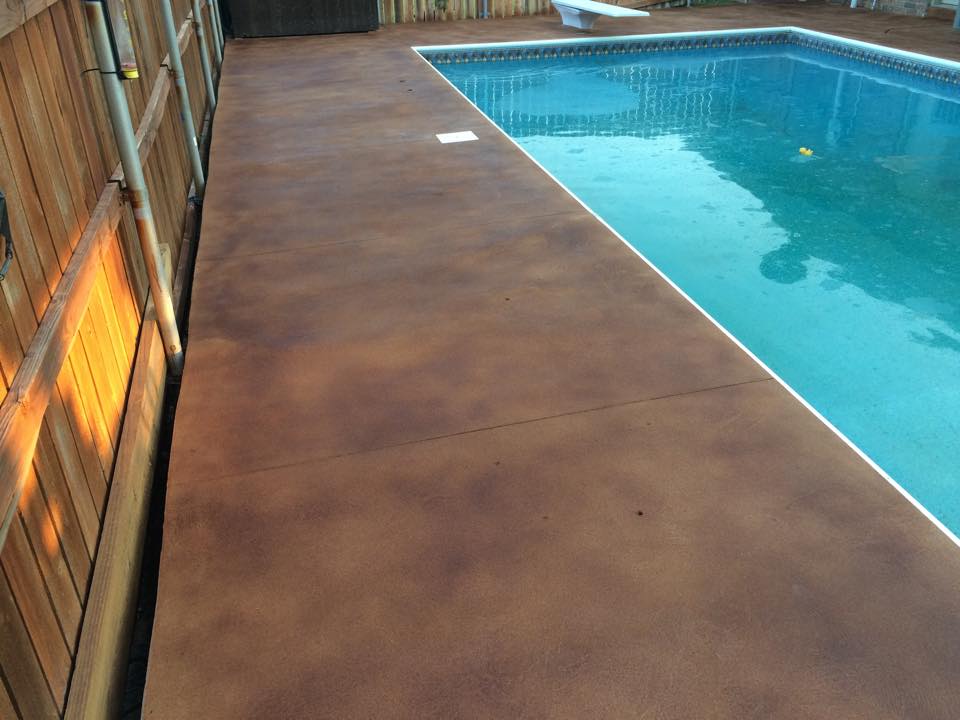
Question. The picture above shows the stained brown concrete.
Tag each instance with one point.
(446, 448)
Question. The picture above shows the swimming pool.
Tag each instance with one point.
(839, 270)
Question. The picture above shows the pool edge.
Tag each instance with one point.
(419, 50)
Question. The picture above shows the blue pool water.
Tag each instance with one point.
(841, 271)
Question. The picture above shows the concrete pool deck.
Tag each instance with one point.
(447, 448)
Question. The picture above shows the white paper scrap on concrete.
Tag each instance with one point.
(455, 137)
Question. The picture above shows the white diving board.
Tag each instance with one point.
(582, 14)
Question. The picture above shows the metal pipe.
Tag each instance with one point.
(215, 37)
(204, 55)
(217, 23)
(486, 9)
(136, 186)
(186, 114)
(956, 19)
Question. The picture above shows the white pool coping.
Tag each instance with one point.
(707, 33)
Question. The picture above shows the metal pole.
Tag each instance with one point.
(217, 22)
(136, 186)
(186, 114)
(215, 40)
(956, 19)
(204, 55)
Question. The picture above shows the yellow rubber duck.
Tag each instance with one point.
(806, 151)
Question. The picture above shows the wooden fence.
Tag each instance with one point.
(73, 341)
(404, 11)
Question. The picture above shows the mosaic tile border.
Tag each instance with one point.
(602, 47)
(638, 45)
(910, 66)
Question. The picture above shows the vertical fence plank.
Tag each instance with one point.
(71, 58)
(407, 11)
(38, 137)
(41, 531)
(62, 101)
(78, 501)
(38, 205)
(64, 524)
(21, 668)
(40, 619)
(7, 710)
(36, 251)
(77, 184)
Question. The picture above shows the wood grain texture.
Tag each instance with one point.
(7, 710)
(410, 11)
(100, 668)
(21, 668)
(36, 608)
(22, 410)
(71, 316)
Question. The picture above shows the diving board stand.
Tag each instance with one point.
(582, 14)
